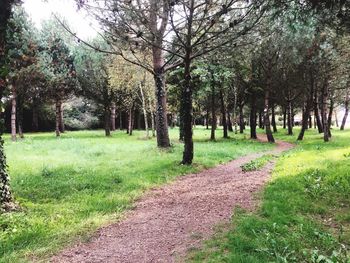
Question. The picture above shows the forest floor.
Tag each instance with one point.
(69, 187)
(171, 220)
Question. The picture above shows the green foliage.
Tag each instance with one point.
(256, 164)
(68, 187)
(305, 211)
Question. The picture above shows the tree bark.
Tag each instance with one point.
(223, 114)
(13, 113)
(261, 123)
(267, 118)
(273, 118)
(317, 115)
(324, 112)
(130, 121)
(62, 128)
(163, 140)
(6, 199)
(346, 108)
(144, 111)
(253, 117)
(20, 117)
(329, 119)
(284, 117)
(113, 116)
(241, 119)
(213, 113)
(107, 113)
(290, 117)
(58, 117)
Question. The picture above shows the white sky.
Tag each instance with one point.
(78, 20)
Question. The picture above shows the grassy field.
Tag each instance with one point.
(305, 211)
(71, 185)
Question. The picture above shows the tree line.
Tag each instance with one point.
(225, 62)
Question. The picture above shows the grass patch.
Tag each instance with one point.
(257, 163)
(305, 212)
(70, 186)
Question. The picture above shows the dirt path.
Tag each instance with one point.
(168, 221)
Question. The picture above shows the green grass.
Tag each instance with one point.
(69, 186)
(305, 210)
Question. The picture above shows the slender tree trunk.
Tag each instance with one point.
(20, 118)
(261, 123)
(130, 121)
(253, 117)
(144, 111)
(317, 115)
(223, 114)
(284, 117)
(13, 113)
(107, 120)
(310, 120)
(113, 116)
(267, 118)
(213, 113)
(290, 118)
(58, 117)
(346, 108)
(336, 117)
(329, 118)
(235, 109)
(152, 119)
(163, 140)
(241, 119)
(187, 111)
(121, 120)
(273, 118)
(229, 122)
(207, 119)
(324, 112)
(62, 126)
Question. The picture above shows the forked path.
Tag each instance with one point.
(168, 221)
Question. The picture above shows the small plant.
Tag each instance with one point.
(256, 164)
(47, 171)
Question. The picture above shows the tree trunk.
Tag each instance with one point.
(20, 117)
(130, 121)
(284, 117)
(329, 119)
(310, 120)
(213, 113)
(229, 122)
(317, 115)
(241, 119)
(261, 123)
(113, 116)
(253, 117)
(144, 111)
(324, 112)
(207, 119)
(13, 113)
(223, 114)
(186, 110)
(267, 118)
(336, 118)
(58, 117)
(62, 127)
(161, 103)
(107, 120)
(120, 120)
(6, 200)
(273, 118)
(290, 117)
(346, 107)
